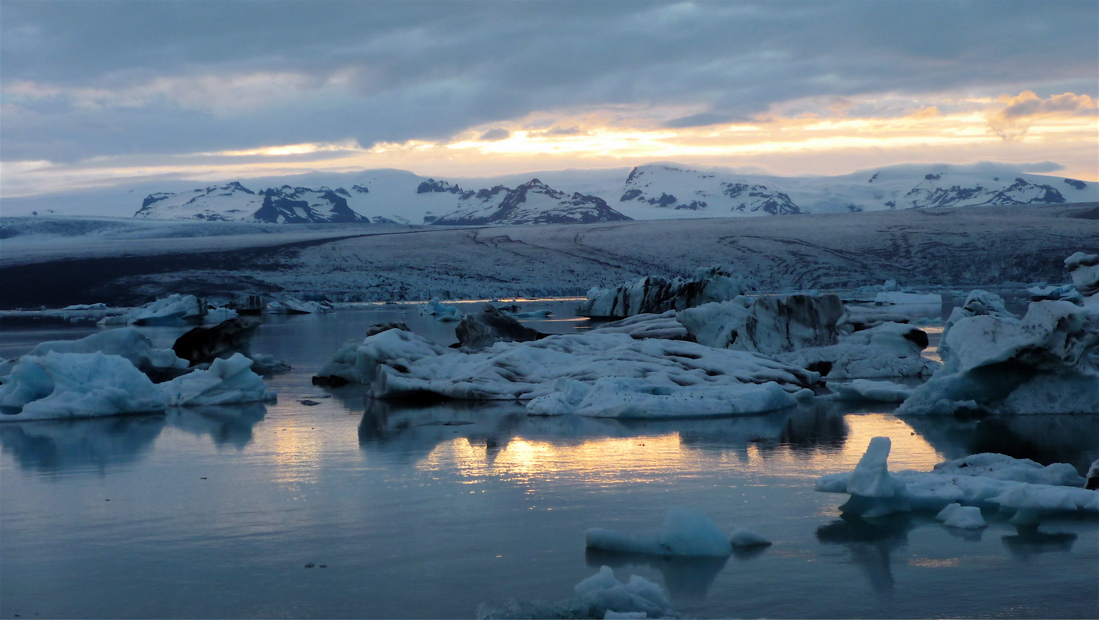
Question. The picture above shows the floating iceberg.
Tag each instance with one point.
(600, 596)
(171, 310)
(489, 326)
(977, 303)
(767, 325)
(441, 311)
(126, 342)
(1084, 271)
(887, 350)
(872, 391)
(961, 517)
(983, 480)
(1048, 362)
(686, 532)
(71, 385)
(655, 294)
(400, 364)
(228, 381)
(293, 305)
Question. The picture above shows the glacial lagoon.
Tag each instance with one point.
(328, 504)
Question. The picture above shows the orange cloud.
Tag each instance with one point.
(1020, 113)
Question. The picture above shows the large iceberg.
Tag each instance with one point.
(886, 350)
(767, 325)
(664, 325)
(655, 294)
(174, 309)
(1048, 362)
(1018, 486)
(70, 385)
(977, 303)
(693, 379)
(126, 342)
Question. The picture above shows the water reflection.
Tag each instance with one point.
(71, 445)
(1072, 439)
(1028, 542)
(226, 425)
(686, 578)
(871, 544)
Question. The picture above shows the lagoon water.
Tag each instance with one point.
(329, 505)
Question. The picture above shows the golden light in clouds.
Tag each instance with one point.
(798, 138)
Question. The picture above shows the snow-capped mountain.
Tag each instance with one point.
(533, 202)
(652, 191)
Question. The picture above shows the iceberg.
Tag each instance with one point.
(1018, 486)
(293, 305)
(1048, 362)
(174, 309)
(686, 532)
(228, 381)
(647, 325)
(398, 364)
(871, 391)
(961, 517)
(71, 385)
(767, 325)
(600, 596)
(489, 326)
(440, 311)
(1084, 271)
(886, 350)
(126, 342)
(977, 303)
(656, 294)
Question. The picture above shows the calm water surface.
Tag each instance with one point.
(429, 512)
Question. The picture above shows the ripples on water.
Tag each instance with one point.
(429, 511)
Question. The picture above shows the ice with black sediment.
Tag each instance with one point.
(656, 294)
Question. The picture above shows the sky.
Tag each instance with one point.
(100, 93)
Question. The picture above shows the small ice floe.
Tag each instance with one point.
(961, 517)
(293, 305)
(884, 351)
(441, 311)
(1048, 362)
(1019, 486)
(897, 298)
(600, 596)
(655, 294)
(647, 325)
(871, 391)
(686, 532)
(639, 377)
(1084, 271)
(174, 309)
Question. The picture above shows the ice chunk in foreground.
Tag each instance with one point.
(647, 326)
(228, 381)
(1046, 363)
(600, 596)
(71, 385)
(982, 480)
(686, 532)
(873, 391)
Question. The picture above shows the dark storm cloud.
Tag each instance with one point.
(103, 78)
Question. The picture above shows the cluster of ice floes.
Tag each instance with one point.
(171, 310)
(686, 532)
(1018, 486)
(591, 373)
(655, 294)
(113, 373)
(600, 596)
(1046, 362)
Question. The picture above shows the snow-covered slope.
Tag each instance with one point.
(234, 202)
(533, 202)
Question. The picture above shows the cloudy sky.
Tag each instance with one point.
(109, 92)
